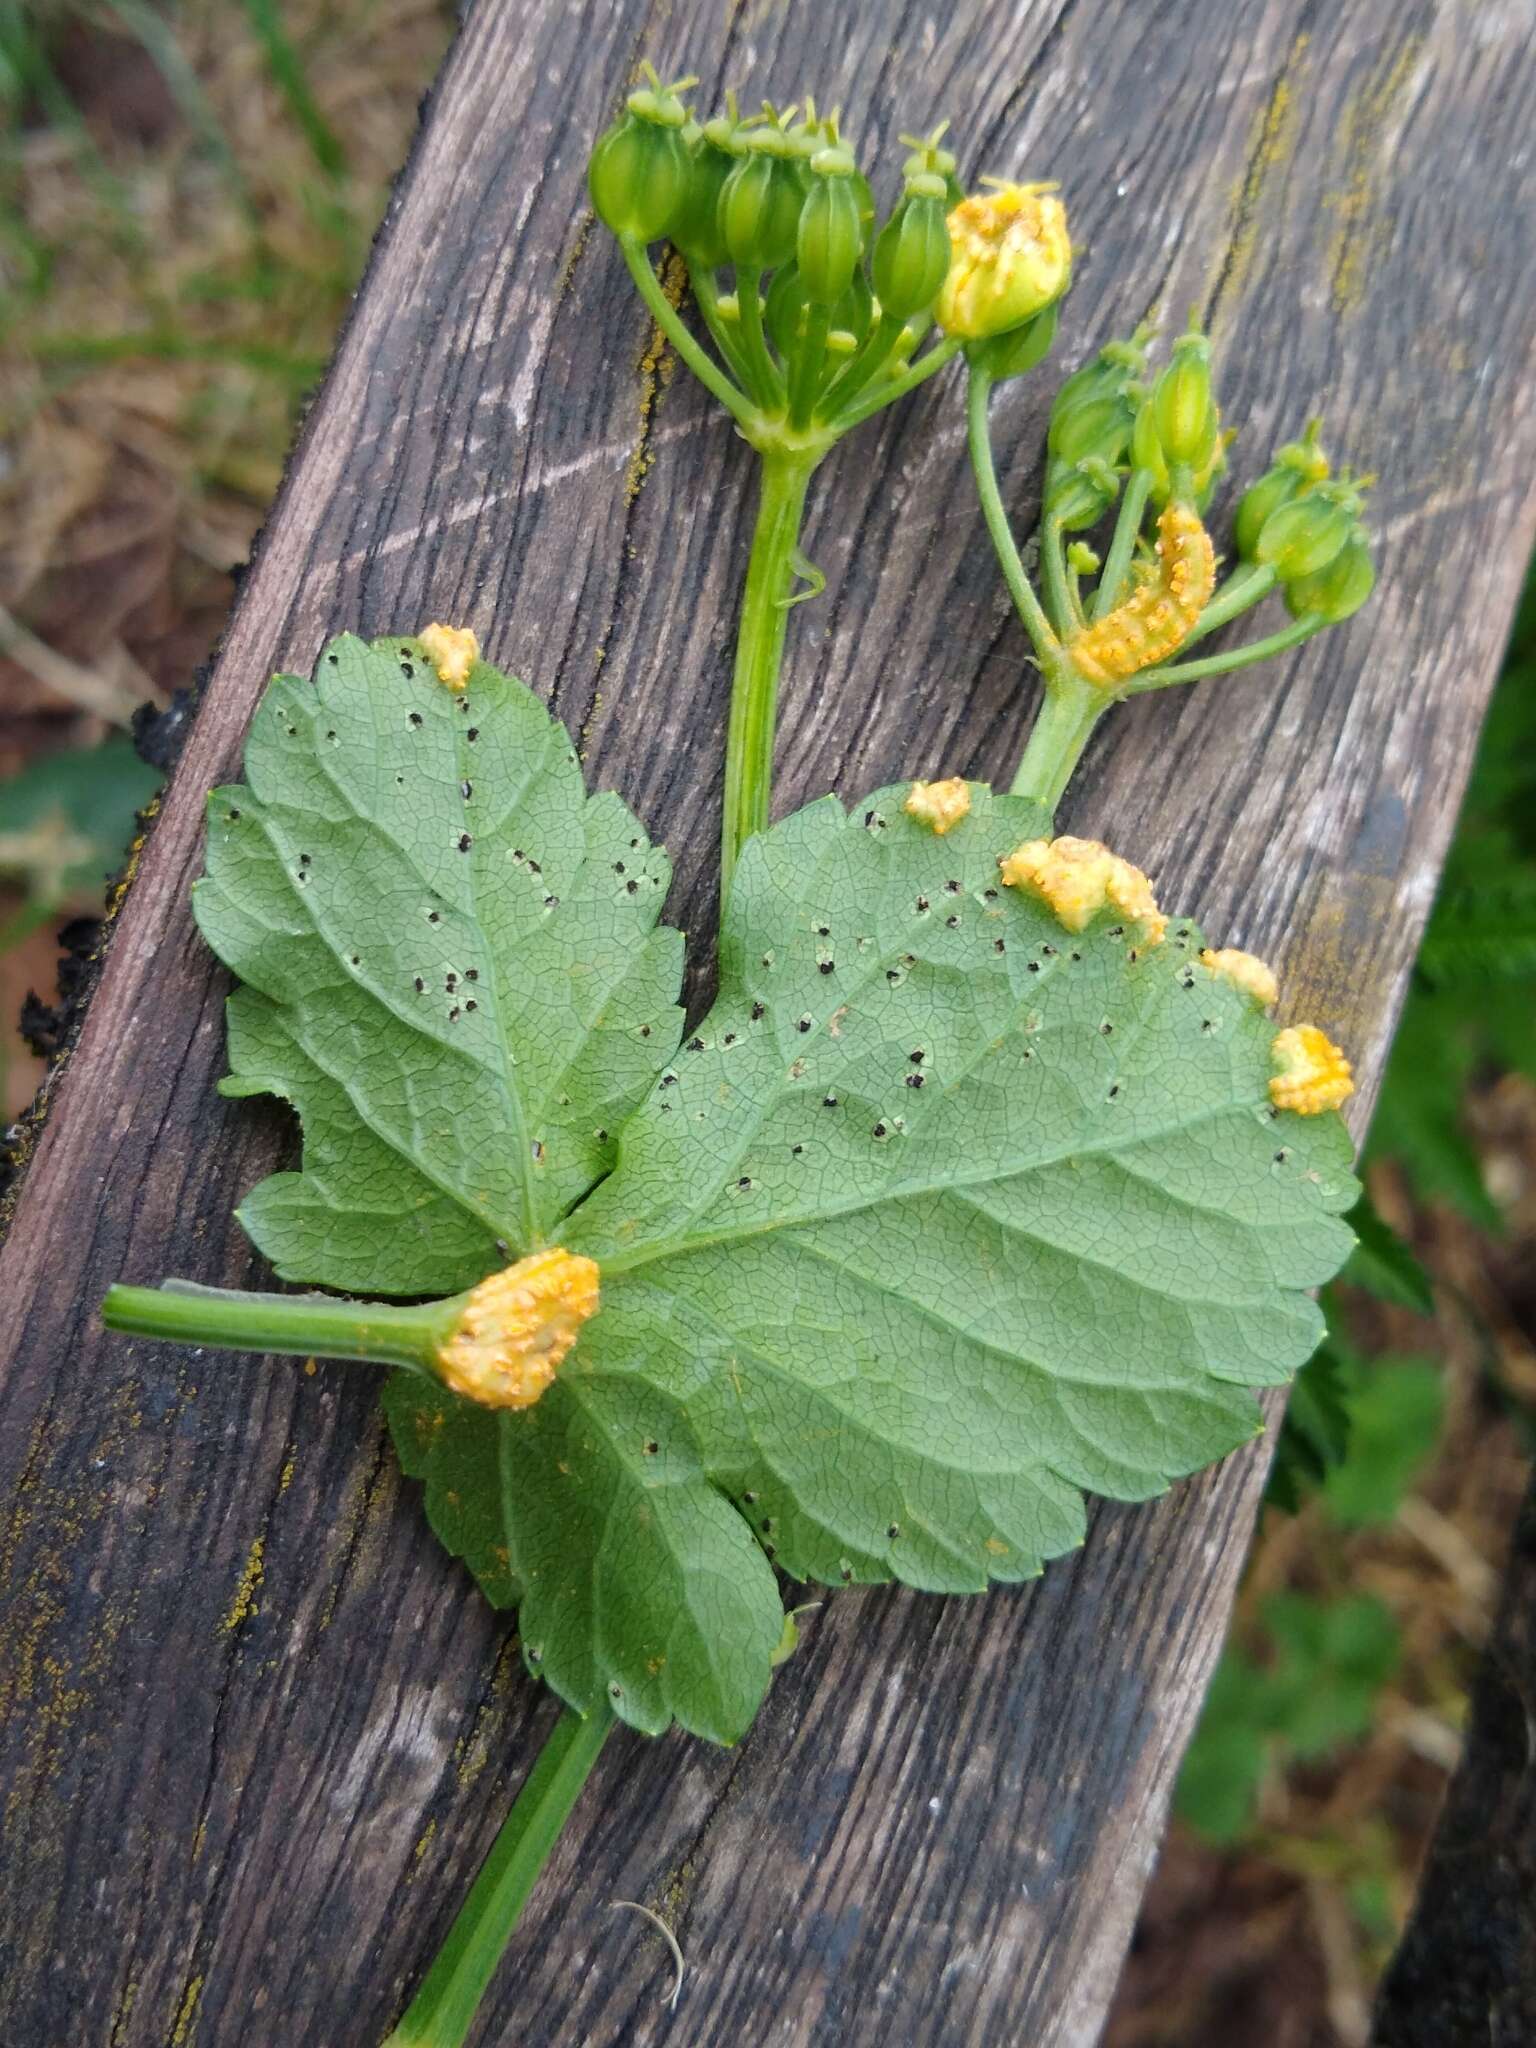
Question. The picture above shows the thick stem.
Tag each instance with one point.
(1020, 589)
(786, 475)
(301, 1325)
(443, 2010)
(1118, 560)
(673, 326)
(1234, 658)
(1067, 716)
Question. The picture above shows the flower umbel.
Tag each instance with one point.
(1010, 257)
(516, 1327)
(1079, 878)
(1312, 1073)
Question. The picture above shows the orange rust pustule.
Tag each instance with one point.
(516, 1327)
(1160, 612)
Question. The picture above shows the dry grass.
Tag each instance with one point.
(183, 217)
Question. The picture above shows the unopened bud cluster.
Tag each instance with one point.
(1159, 440)
(1304, 523)
(826, 304)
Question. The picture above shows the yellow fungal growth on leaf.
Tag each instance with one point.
(1078, 878)
(1010, 256)
(1244, 971)
(516, 1327)
(1312, 1074)
(939, 805)
(1160, 612)
(452, 651)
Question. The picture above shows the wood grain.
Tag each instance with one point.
(255, 1730)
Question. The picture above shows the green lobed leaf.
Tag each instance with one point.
(941, 1218)
(452, 967)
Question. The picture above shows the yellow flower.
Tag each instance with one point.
(1010, 257)
(1244, 971)
(1078, 878)
(1312, 1073)
(452, 651)
(515, 1328)
(939, 804)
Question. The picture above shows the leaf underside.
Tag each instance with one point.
(942, 1217)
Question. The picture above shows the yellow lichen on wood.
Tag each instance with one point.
(1245, 971)
(516, 1327)
(244, 1603)
(1079, 878)
(939, 805)
(452, 651)
(1160, 612)
(1312, 1073)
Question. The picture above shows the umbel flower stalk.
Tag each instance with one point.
(1153, 455)
(817, 318)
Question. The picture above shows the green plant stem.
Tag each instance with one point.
(768, 385)
(1241, 590)
(1060, 591)
(1127, 526)
(301, 1325)
(1020, 589)
(706, 296)
(1068, 714)
(867, 360)
(708, 372)
(443, 2010)
(885, 394)
(786, 476)
(806, 368)
(1223, 664)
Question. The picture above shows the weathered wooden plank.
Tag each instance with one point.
(254, 1730)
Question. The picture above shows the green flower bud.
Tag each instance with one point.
(1275, 488)
(785, 308)
(1296, 468)
(1147, 448)
(1094, 426)
(1182, 406)
(829, 240)
(1302, 536)
(1020, 349)
(696, 227)
(911, 253)
(856, 308)
(638, 174)
(1337, 590)
(760, 202)
(1209, 463)
(1106, 375)
(1079, 494)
